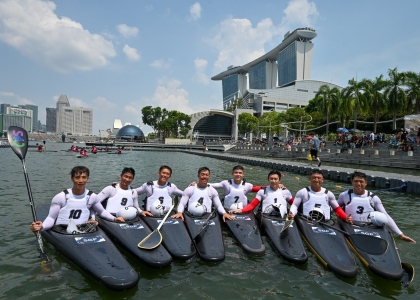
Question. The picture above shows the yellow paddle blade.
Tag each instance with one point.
(151, 241)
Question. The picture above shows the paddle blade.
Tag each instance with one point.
(18, 140)
(286, 225)
(408, 274)
(151, 241)
(369, 244)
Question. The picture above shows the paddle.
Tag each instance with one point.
(206, 223)
(402, 188)
(153, 239)
(408, 274)
(287, 223)
(369, 244)
(18, 140)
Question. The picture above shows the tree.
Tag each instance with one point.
(344, 109)
(247, 123)
(354, 93)
(374, 97)
(325, 99)
(237, 103)
(413, 90)
(153, 116)
(395, 94)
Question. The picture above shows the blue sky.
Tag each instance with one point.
(119, 56)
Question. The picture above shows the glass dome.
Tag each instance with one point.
(130, 131)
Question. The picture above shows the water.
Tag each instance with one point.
(239, 276)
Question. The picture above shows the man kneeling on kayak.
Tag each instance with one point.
(201, 196)
(315, 196)
(358, 203)
(118, 196)
(74, 203)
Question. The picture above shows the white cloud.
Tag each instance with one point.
(131, 53)
(301, 12)
(15, 98)
(132, 110)
(78, 103)
(161, 64)
(61, 44)
(127, 31)
(170, 95)
(102, 104)
(200, 66)
(195, 11)
(7, 94)
(232, 33)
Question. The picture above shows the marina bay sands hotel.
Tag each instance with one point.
(276, 81)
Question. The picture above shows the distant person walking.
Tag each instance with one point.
(204, 146)
(315, 147)
(372, 139)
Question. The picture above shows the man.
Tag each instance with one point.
(204, 146)
(236, 189)
(270, 198)
(74, 203)
(159, 192)
(94, 149)
(315, 196)
(372, 139)
(202, 194)
(83, 152)
(117, 196)
(315, 148)
(119, 150)
(358, 203)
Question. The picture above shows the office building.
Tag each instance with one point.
(51, 122)
(73, 120)
(34, 109)
(21, 120)
(16, 110)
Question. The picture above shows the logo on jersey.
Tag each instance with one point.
(90, 240)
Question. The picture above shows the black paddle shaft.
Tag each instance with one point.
(28, 187)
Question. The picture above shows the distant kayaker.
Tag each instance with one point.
(199, 199)
(83, 152)
(74, 203)
(119, 150)
(271, 198)
(316, 197)
(94, 149)
(40, 148)
(358, 203)
(236, 189)
(159, 193)
(118, 196)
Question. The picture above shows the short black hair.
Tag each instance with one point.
(274, 172)
(128, 170)
(79, 170)
(165, 167)
(316, 171)
(203, 169)
(358, 174)
(237, 167)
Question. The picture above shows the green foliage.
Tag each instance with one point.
(247, 123)
(166, 123)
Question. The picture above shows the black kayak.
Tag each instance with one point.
(94, 253)
(175, 236)
(129, 234)
(288, 243)
(386, 265)
(329, 246)
(209, 243)
(245, 229)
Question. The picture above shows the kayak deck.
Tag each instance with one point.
(129, 234)
(386, 265)
(329, 246)
(209, 243)
(175, 236)
(93, 253)
(245, 229)
(288, 243)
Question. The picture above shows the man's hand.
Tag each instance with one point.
(178, 215)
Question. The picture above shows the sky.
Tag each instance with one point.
(118, 56)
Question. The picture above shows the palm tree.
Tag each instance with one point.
(413, 89)
(327, 103)
(355, 97)
(343, 108)
(395, 94)
(374, 97)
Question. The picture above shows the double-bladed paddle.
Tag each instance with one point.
(367, 243)
(18, 140)
(196, 239)
(153, 239)
(287, 222)
(408, 274)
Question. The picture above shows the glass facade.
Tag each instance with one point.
(51, 122)
(215, 125)
(230, 88)
(257, 76)
(286, 61)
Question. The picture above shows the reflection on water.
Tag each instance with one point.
(238, 277)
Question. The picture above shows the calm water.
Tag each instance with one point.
(239, 276)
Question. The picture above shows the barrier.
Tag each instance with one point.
(338, 151)
(350, 151)
(392, 152)
(410, 153)
(362, 151)
(376, 152)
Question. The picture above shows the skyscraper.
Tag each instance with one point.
(51, 122)
(34, 109)
(74, 120)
